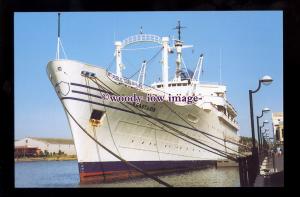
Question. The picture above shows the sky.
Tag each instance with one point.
(246, 45)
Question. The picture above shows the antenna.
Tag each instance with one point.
(58, 36)
(220, 66)
(141, 30)
(179, 27)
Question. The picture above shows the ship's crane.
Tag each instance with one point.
(142, 73)
(198, 69)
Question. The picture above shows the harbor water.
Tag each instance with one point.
(55, 174)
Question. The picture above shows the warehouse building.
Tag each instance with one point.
(52, 145)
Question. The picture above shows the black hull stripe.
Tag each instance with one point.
(92, 167)
(88, 94)
(117, 108)
(85, 86)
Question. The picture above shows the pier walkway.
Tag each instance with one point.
(271, 172)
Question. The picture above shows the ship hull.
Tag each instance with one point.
(140, 134)
(99, 172)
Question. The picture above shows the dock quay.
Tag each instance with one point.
(227, 163)
(271, 172)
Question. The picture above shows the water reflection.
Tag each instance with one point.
(65, 174)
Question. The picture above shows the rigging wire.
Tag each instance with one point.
(235, 143)
(173, 111)
(115, 155)
(110, 64)
(172, 128)
(185, 67)
(60, 41)
(148, 62)
(219, 152)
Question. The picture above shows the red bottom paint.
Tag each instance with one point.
(111, 176)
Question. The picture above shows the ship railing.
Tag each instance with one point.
(124, 80)
(224, 116)
(227, 119)
(226, 102)
(141, 38)
(208, 83)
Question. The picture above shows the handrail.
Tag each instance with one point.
(141, 38)
(124, 80)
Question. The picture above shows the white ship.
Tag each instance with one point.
(191, 131)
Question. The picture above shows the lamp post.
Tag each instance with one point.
(261, 140)
(264, 138)
(257, 124)
(266, 80)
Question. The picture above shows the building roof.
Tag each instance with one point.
(54, 140)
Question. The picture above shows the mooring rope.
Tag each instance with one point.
(115, 155)
(172, 128)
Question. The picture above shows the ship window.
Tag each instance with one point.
(184, 84)
(169, 85)
(96, 117)
(179, 84)
(96, 114)
(174, 84)
(59, 68)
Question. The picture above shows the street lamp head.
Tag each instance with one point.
(266, 109)
(266, 80)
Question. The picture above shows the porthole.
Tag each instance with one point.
(143, 142)
(59, 68)
(132, 141)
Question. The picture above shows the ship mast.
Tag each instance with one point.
(58, 36)
(178, 46)
(59, 42)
